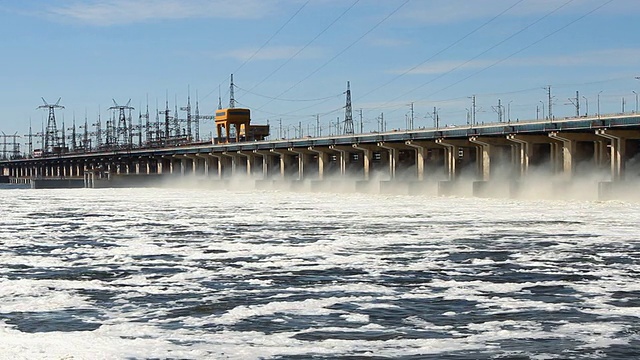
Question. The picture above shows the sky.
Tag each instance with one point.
(292, 59)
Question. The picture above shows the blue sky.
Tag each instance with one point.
(291, 59)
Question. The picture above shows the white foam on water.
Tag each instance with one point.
(249, 241)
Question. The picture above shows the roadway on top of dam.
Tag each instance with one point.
(582, 124)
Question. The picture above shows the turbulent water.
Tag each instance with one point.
(213, 274)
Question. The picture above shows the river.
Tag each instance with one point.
(217, 274)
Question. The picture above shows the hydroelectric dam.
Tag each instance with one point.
(506, 159)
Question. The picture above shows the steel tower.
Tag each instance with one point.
(123, 130)
(348, 115)
(51, 132)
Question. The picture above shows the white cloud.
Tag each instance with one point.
(601, 58)
(113, 12)
(389, 42)
(271, 53)
(438, 12)
(439, 67)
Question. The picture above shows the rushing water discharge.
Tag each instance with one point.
(215, 274)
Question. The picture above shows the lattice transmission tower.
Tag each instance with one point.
(348, 113)
(123, 129)
(51, 132)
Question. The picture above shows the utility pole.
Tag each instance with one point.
(198, 117)
(176, 118)
(318, 131)
(188, 110)
(381, 122)
(63, 142)
(348, 116)
(576, 102)
(73, 134)
(549, 108)
(15, 154)
(361, 123)
(167, 119)
(30, 139)
(148, 133)
(411, 118)
(85, 138)
(98, 132)
(498, 110)
(473, 110)
(598, 100)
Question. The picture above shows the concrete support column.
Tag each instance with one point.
(267, 162)
(489, 148)
(235, 159)
(525, 152)
(303, 160)
(323, 160)
(367, 158)
(250, 155)
(483, 157)
(600, 153)
(190, 165)
(183, 165)
(421, 148)
(219, 158)
(394, 156)
(344, 152)
(206, 161)
(452, 146)
(618, 139)
(568, 150)
(284, 160)
(159, 165)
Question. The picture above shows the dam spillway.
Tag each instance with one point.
(406, 161)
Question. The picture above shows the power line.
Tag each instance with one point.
(307, 44)
(272, 36)
(444, 49)
(526, 47)
(263, 45)
(485, 51)
(290, 100)
(341, 52)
